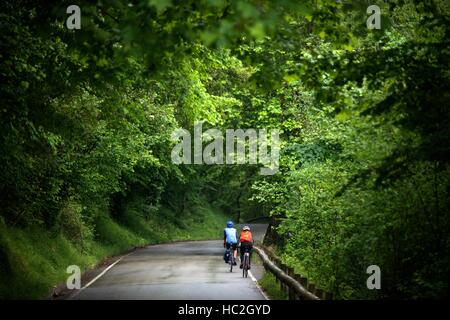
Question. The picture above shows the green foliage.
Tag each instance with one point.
(86, 117)
(33, 260)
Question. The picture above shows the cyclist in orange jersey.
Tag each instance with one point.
(245, 243)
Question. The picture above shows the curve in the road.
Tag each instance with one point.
(191, 270)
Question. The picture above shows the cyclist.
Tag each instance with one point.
(230, 239)
(245, 244)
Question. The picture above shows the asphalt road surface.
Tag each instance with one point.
(192, 270)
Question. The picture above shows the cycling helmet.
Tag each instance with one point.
(230, 224)
(246, 228)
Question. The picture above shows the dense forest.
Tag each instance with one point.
(87, 114)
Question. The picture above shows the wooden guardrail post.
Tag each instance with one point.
(319, 293)
(291, 293)
(311, 287)
(284, 288)
(303, 281)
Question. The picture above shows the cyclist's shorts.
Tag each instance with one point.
(232, 245)
(246, 246)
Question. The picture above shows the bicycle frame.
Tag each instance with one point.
(232, 258)
(245, 263)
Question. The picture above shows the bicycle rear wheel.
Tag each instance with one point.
(231, 261)
(245, 266)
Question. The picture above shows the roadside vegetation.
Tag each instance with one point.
(271, 287)
(37, 258)
(268, 281)
(86, 118)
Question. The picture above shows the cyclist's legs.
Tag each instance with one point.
(246, 246)
(233, 247)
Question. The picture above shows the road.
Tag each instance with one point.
(192, 270)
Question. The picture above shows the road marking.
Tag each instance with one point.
(98, 277)
(256, 283)
(258, 286)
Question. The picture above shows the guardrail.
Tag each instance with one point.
(294, 285)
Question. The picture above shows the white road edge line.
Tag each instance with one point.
(256, 283)
(258, 286)
(98, 277)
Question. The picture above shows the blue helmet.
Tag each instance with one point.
(230, 224)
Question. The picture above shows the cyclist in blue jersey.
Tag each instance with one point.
(230, 239)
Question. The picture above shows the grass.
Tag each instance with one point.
(33, 260)
(271, 287)
(268, 282)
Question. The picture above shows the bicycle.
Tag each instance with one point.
(245, 263)
(231, 259)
